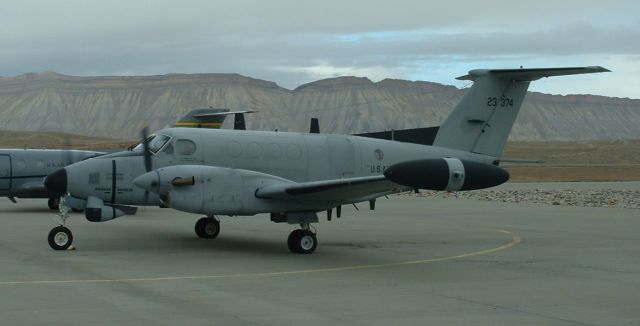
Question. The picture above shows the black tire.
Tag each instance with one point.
(291, 240)
(60, 238)
(303, 242)
(207, 227)
(54, 203)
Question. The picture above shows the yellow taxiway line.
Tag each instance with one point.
(515, 240)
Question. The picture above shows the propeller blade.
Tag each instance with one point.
(145, 146)
(67, 154)
(147, 157)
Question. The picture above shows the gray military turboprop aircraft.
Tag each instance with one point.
(22, 171)
(293, 176)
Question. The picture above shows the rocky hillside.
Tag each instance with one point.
(118, 107)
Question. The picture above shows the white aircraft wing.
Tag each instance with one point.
(331, 190)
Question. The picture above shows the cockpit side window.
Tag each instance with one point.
(185, 147)
(168, 149)
(158, 142)
(139, 147)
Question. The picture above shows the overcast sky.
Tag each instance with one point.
(295, 42)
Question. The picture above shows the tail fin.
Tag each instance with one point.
(482, 121)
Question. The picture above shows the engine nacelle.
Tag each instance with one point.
(97, 211)
(208, 189)
(75, 203)
(449, 174)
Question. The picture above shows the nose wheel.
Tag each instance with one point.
(208, 227)
(60, 238)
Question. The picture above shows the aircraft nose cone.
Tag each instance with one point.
(56, 182)
(148, 181)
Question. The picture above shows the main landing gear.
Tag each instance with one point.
(60, 237)
(208, 227)
(303, 240)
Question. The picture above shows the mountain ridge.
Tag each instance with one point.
(119, 106)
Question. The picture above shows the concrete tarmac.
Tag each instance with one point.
(412, 261)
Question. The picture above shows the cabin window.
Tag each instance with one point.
(185, 147)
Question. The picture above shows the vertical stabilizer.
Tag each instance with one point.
(483, 119)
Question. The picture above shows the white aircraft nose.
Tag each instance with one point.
(148, 181)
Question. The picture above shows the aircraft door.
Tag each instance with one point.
(318, 158)
(5, 172)
(343, 158)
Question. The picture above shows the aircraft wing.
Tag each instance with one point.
(331, 190)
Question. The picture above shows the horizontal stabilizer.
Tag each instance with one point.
(531, 74)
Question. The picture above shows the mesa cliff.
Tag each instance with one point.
(119, 107)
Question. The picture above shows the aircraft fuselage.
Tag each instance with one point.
(297, 157)
(23, 170)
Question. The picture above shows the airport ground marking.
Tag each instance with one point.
(515, 240)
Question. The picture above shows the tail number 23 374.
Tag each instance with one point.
(503, 102)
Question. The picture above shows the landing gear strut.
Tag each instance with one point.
(208, 227)
(303, 240)
(60, 237)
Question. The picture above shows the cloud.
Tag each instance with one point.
(294, 42)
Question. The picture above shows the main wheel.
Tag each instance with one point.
(54, 203)
(207, 227)
(302, 241)
(291, 240)
(60, 238)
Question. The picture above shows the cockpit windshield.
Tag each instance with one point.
(156, 142)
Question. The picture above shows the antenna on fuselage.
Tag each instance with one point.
(314, 128)
(238, 121)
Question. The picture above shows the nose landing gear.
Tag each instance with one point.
(60, 237)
